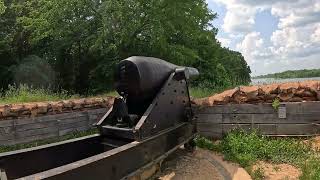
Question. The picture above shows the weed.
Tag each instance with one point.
(276, 168)
(276, 104)
(258, 174)
(311, 169)
(206, 144)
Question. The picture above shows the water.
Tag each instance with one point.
(263, 81)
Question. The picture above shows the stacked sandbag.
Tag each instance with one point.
(11, 111)
(285, 92)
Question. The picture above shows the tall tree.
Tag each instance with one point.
(2, 7)
(83, 39)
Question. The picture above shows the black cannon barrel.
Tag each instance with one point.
(141, 77)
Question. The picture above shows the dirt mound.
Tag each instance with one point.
(277, 171)
(285, 92)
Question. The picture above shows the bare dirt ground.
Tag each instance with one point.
(278, 171)
(315, 143)
(199, 165)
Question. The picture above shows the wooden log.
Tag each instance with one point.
(292, 107)
(35, 132)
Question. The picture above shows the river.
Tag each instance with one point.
(263, 81)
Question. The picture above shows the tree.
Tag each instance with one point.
(2, 7)
(82, 40)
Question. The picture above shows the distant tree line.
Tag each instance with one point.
(74, 44)
(305, 73)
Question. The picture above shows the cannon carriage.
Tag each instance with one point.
(151, 118)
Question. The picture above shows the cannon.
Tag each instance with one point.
(150, 119)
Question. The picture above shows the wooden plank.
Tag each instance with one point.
(33, 138)
(292, 107)
(297, 129)
(238, 108)
(71, 130)
(35, 132)
(6, 123)
(210, 134)
(209, 127)
(73, 125)
(7, 137)
(33, 120)
(269, 118)
(38, 125)
(98, 111)
(209, 118)
(259, 118)
(270, 129)
(7, 130)
(303, 107)
(92, 119)
(71, 120)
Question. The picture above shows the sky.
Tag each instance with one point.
(272, 35)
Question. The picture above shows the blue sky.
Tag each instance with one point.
(273, 35)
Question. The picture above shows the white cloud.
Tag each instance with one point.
(239, 19)
(296, 42)
(225, 42)
(250, 45)
(315, 37)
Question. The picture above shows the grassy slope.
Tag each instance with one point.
(248, 148)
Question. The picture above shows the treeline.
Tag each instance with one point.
(74, 44)
(305, 73)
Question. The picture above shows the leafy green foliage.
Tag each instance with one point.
(78, 42)
(206, 144)
(276, 104)
(2, 7)
(305, 73)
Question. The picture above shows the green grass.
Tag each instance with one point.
(258, 174)
(24, 94)
(311, 169)
(198, 92)
(110, 93)
(48, 141)
(248, 148)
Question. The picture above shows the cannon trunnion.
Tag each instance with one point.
(150, 119)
